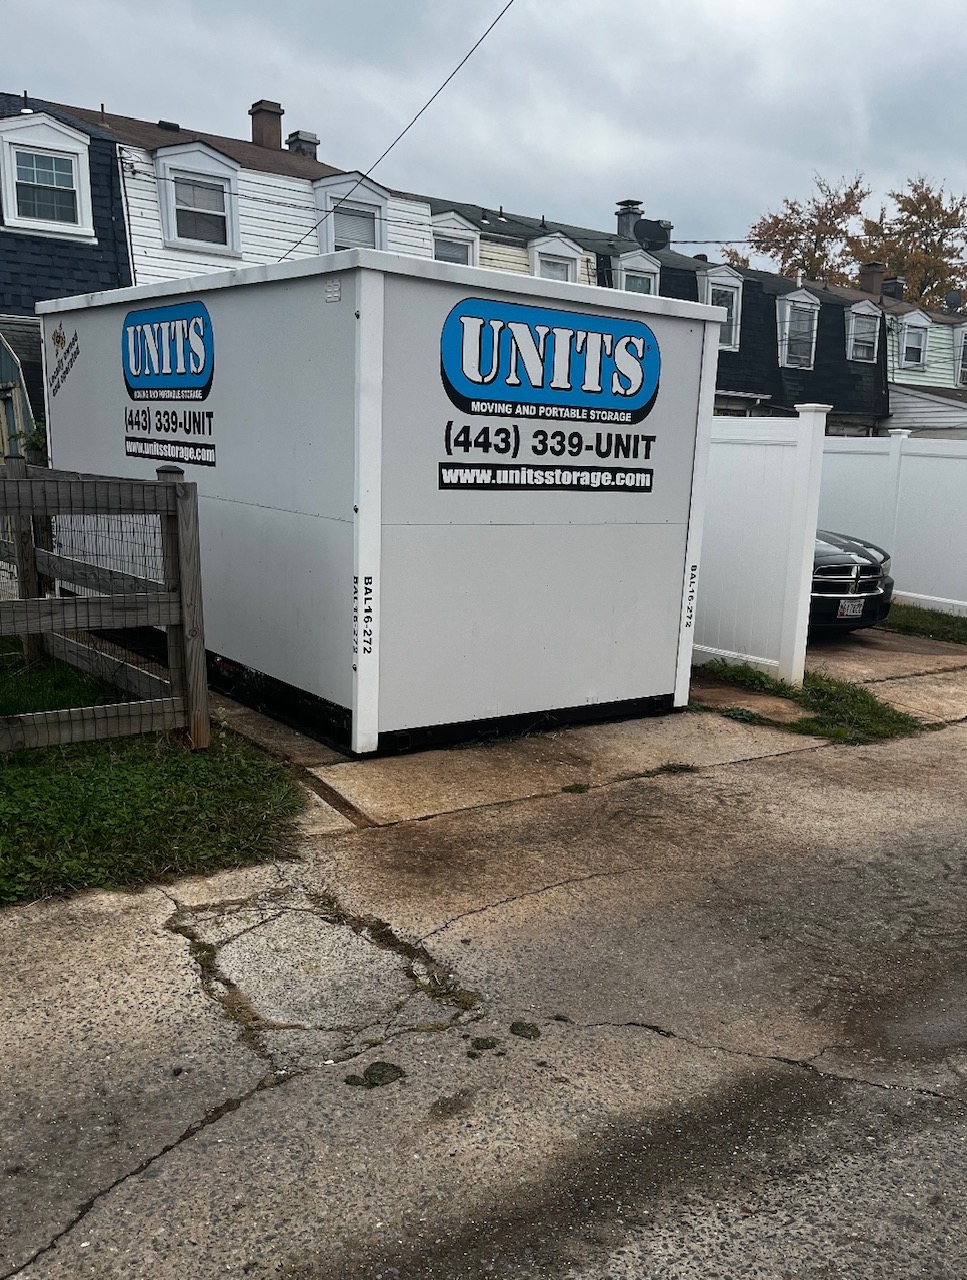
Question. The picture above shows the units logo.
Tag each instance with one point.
(168, 353)
(509, 359)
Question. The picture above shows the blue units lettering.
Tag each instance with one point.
(504, 358)
(168, 353)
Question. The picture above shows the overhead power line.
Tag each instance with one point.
(403, 132)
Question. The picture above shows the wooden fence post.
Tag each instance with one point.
(182, 570)
(28, 581)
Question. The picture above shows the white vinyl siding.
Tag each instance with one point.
(408, 227)
(273, 212)
(919, 411)
(504, 257)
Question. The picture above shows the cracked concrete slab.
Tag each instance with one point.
(299, 969)
(109, 1052)
(402, 788)
(933, 698)
(708, 1003)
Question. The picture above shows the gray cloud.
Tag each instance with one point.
(709, 110)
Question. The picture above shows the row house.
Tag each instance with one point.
(926, 355)
(112, 200)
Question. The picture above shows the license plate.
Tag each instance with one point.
(850, 609)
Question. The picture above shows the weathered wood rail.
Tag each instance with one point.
(30, 498)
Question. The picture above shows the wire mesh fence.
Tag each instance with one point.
(101, 631)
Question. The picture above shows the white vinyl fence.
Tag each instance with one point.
(910, 497)
(761, 509)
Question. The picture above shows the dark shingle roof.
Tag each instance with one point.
(520, 227)
(150, 137)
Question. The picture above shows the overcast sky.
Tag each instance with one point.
(710, 111)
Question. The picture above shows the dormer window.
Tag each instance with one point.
(722, 287)
(354, 212)
(797, 318)
(637, 272)
(198, 194)
(913, 341)
(45, 182)
(555, 257)
(961, 355)
(455, 239)
(862, 332)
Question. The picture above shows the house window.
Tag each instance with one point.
(863, 335)
(198, 192)
(635, 282)
(963, 361)
(554, 257)
(721, 286)
(914, 345)
(200, 212)
(45, 177)
(46, 187)
(799, 339)
(445, 250)
(354, 229)
(354, 213)
(797, 325)
(555, 268)
(729, 299)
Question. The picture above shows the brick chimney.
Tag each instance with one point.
(871, 277)
(628, 213)
(894, 288)
(267, 124)
(303, 143)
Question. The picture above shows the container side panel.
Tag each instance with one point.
(247, 390)
(500, 620)
(533, 551)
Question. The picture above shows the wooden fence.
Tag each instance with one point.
(97, 598)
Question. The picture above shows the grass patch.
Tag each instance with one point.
(46, 685)
(121, 813)
(832, 709)
(910, 620)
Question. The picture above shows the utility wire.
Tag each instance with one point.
(402, 134)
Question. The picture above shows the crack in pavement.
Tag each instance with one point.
(804, 1064)
(530, 893)
(271, 1081)
(427, 976)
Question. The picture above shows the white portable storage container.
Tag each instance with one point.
(431, 497)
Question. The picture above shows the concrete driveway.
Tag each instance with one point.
(682, 997)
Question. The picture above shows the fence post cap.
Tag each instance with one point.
(898, 431)
(169, 473)
(813, 408)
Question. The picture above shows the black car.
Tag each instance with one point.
(851, 583)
